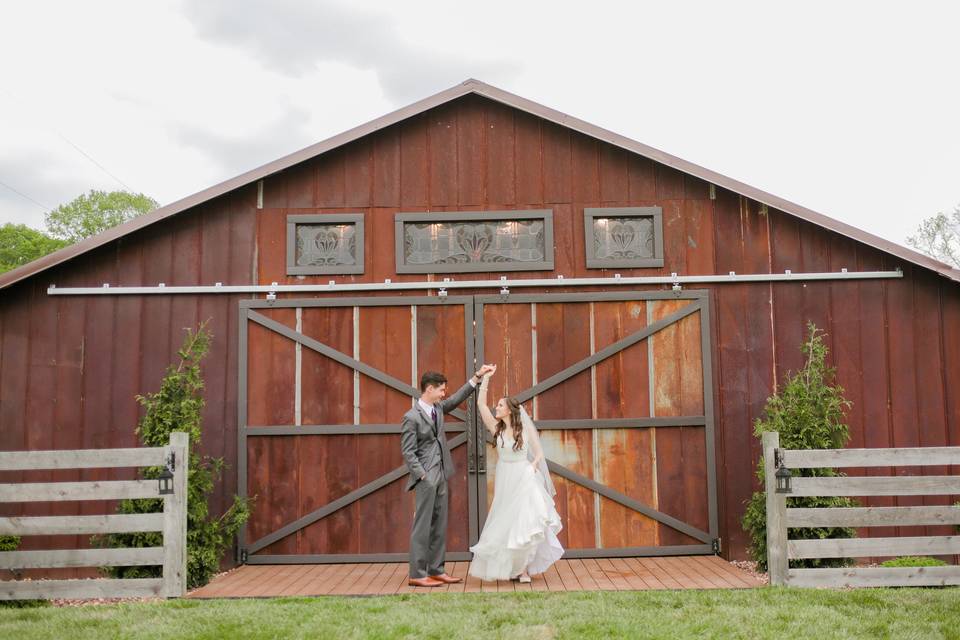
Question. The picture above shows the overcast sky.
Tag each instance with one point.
(849, 108)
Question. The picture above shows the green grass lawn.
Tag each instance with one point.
(781, 614)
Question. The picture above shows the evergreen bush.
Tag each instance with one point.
(808, 413)
(178, 406)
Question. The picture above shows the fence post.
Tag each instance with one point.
(175, 520)
(777, 563)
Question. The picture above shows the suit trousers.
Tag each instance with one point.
(428, 535)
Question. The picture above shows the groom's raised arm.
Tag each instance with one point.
(408, 447)
(449, 404)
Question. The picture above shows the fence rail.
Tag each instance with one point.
(172, 523)
(780, 549)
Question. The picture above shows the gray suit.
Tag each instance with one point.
(425, 450)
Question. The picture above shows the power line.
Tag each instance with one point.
(25, 196)
(68, 141)
(87, 156)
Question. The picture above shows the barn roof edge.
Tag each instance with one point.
(493, 93)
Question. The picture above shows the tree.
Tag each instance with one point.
(90, 213)
(178, 406)
(808, 413)
(19, 244)
(939, 237)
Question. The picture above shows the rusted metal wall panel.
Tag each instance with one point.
(478, 154)
(71, 366)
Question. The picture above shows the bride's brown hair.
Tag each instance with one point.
(515, 423)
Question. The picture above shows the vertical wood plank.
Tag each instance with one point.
(471, 152)
(902, 345)
(98, 353)
(386, 168)
(699, 220)
(529, 159)
(413, 162)
(776, 506)
(584, 169)
(669, 183)
(626, 455)
(328, 397)
(642, 179)
(385, 344)
(301, 182)
(500, 158)
(556, 163)
(217, 310)
(330, 180)
(614, 174)
(734, 440)
(358, 173)
(175, 520)
(40, 372)
(442, 133)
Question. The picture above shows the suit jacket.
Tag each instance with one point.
(423, 447)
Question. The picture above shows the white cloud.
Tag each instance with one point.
(847, 108)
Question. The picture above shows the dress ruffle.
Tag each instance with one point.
(522, 526)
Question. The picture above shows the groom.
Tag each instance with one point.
(427, 455)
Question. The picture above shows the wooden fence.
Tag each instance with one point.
(780, 549)
(172, 522)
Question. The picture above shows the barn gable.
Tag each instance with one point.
(473, 148)
(474, 87)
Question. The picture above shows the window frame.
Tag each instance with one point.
(592, 213)
(293, 219)
(546, 215)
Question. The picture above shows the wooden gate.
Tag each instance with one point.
(939, 518)
(620, 386)
(172, 522)
(323, 384)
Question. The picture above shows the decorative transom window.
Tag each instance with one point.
(325, 244)
(470, 241)
(623, 237)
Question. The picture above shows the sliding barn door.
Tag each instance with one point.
(324, 383)
(620, 387)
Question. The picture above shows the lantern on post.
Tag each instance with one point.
(783, 474)
(165, 480)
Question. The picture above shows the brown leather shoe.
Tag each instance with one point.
(448, 579)
(424, 582)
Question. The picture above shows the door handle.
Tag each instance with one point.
(471, 439)
(482, 449)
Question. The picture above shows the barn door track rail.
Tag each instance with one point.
(503, 284)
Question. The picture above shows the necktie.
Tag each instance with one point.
(433, 415)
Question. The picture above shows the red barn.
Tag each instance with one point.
(642, 307)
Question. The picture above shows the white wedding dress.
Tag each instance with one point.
(521, 528)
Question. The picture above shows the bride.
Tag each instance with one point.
(519, 538)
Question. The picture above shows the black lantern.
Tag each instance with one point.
(165, 479)
(783, 476)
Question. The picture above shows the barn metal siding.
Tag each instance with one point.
(70, 366)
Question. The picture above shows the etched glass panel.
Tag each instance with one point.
(623, 238)
(325, 245)
(473, 242)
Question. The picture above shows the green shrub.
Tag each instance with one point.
(178, 406)
(12, 543)
(913, 561)
(808, 413)
(9, 543)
